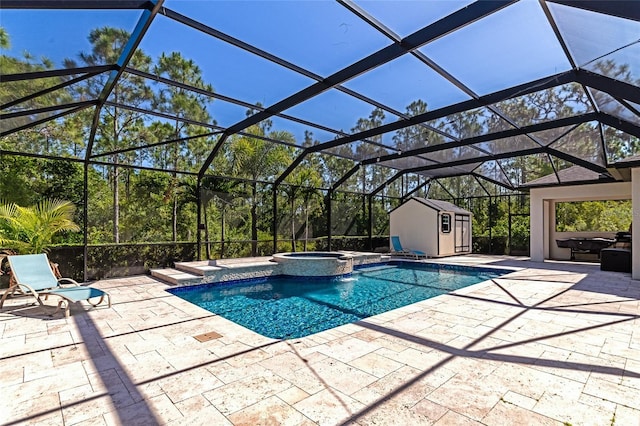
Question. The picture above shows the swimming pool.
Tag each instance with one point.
(291, 307)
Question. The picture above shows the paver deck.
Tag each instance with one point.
(550, 344)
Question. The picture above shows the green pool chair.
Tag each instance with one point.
(34, 276)
(398, 250)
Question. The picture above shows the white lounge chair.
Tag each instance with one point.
(34, 276)
(398, 250)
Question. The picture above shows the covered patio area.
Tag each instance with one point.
(550, 343)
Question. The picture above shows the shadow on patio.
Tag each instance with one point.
(540, 345)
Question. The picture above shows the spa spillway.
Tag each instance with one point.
(314, 263)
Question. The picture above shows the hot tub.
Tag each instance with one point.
(314, 263)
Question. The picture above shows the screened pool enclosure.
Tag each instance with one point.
(184, 129)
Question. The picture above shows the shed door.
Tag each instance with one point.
(462, 233)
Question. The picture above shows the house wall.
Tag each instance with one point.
(542, 223)
(416, 225)
(635, 231)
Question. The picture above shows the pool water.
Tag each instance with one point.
(292, 307)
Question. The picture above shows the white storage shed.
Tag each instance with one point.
(438, 228)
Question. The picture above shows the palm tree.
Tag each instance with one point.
(303, 185)
(310, 196)
(291, 193)
(213, 188)
(31, 229)
(225, 191)
(256, 159)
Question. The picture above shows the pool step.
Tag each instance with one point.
(201, 267)
(363, 258)
(250, 265)
(176, 277)
(201, 272)
(375, 268)
(208, 268)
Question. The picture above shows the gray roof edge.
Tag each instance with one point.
(433, 204)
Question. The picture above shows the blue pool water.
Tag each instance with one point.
(292, 307)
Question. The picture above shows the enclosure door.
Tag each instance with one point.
(462, 233)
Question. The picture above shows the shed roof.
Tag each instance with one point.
(438, 205)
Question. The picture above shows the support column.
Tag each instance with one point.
(536, 227)
(199, 227)
(370, 205)
(491, 222)
(328, 207)
(274, 224)
(635, 232)
(85, 226)
(548, 224)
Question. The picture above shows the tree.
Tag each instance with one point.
(181, 103)
(415, 136)
(224, 191)
(590, 216)
(412, 137)
(537, 107)
(4, 39)
(303, 184)
(32, 229)
(291, 193)
(37, 139)
(17, 177)
(146, 193)
(256, 159)
(365, 150)
(118, 127)
(311, 198)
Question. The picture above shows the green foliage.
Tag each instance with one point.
(601, 216)
(32, 229)
(107, 261)
(127, 205)
(257, 159)
(17, 176)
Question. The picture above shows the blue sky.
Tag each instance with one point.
(512, 46)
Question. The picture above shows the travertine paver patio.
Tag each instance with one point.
(551, 344)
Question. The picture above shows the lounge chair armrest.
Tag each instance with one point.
(68, 282)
